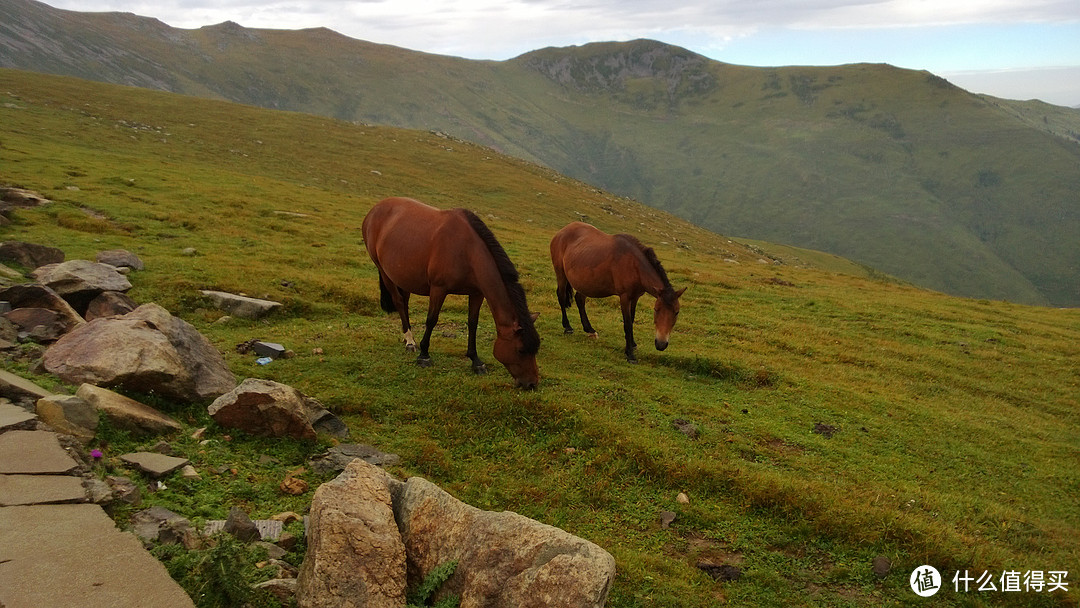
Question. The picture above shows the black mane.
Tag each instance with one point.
(509, 274)
(668, 292)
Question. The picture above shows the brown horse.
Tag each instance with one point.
(427, 251)
(599, 265)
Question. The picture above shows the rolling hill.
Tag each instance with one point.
(895, 169)
(837, 418)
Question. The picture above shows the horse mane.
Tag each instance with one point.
(668, 292)
(509, 274)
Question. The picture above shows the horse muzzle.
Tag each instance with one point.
(661, 344)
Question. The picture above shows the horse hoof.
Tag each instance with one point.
(631, 360)
(593, 335)
(568, 330)
(410, 348)
(424, 361)
(479, 370)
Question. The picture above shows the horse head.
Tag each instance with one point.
(516, 347)
(665, 313)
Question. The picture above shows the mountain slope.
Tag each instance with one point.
(895, 169)
(837, 419)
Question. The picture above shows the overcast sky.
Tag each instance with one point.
(1018, 49)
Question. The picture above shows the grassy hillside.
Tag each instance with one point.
(946, 428)
(895, 169)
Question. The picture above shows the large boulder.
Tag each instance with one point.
(355, 556)
(147, 350)
(79, 281)
(30, 255)
(504, 559)
(270, 409)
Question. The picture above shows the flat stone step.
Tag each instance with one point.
(73, 555)
(40, 489)
(33, 453)
(13, 415)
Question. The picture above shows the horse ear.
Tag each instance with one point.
(678, 294)
(535, 316)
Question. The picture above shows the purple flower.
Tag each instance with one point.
(96, 454)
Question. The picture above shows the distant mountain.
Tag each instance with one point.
(895, 169)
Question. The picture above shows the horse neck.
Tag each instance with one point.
(491, 285)
(650, 279)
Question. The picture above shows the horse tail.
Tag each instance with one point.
(385, 299)
(566, 295)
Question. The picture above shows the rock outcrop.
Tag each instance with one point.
(355, 556)
(503, 559)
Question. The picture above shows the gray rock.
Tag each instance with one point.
(69, 414)
(241, 306)
(355, 556)
(158, 524)
(268, 349)
(147, 351)
(339, 457)
(154, 464)
(126, 413)
(881, 566)
(240, 525)
(121, 258)
(97, 491)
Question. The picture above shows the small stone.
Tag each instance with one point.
(281, 588)
(240, 525)
(189, 472)
(124, 490)
(198, 434)
(881, 566)
(268, 349)
(666, 517)
(156, 465)
(682, 499)
(294, 486)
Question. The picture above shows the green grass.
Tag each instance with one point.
(957, 419)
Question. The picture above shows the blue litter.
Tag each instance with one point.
(263, 360)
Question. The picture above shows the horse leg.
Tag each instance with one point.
(435, 302)
(629, 311)
(566, 295)
(400, 300)
(478, 367)
(585, 325)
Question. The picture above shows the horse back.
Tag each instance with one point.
(589, 258)
(416, 245)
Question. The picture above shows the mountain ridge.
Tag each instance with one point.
(895, 169)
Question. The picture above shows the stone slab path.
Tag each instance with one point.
(56, 549)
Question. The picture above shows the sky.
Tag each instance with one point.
(1016, 49)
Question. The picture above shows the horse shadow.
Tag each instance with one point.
(698, 367)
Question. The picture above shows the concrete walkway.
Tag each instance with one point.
(57, 549)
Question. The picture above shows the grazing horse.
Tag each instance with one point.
(599, 265)
(422, 250)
